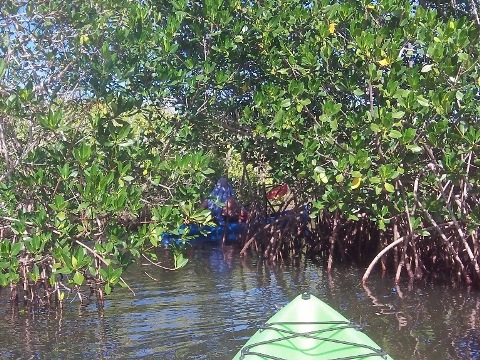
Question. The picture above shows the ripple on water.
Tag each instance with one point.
(210, 308)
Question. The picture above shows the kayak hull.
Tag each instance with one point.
(205, 234)
(228, 233)
(307, 328)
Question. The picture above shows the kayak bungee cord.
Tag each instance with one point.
(339, 325)
(266, 356)
(306, 329)
(348, 324)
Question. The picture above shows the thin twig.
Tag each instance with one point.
(158, 265)
(92, 251)
(151, 277)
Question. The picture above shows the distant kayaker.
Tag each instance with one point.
(221, 202)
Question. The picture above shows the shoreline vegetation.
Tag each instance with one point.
(117, 117)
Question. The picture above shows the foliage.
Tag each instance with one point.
(371, 107)
(109, 109)
(91, 177)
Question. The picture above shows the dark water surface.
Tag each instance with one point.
(209, 309)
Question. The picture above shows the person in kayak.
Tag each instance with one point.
(222, 204)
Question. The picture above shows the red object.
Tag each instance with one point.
(277, 192)
(244, 215)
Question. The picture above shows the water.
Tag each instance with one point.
(209, 309)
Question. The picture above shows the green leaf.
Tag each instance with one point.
(375, 128)
(279, 116)
(422, 101)
(414, 148)
(408, 135)
(334, 124)
(301, 157)
(115, 276)
(286, 103)
(35, 274)
(78, 278)
(336, 108)
(3, 66)
(395, 134)
(389, 187)
(305, 102)
(61, 215)
(181, 263)
(127, 143)
(323, 178)
(15, 249)
(82, 153)
(427, 68)
(208, 171)
(398, 114)
(356, 174)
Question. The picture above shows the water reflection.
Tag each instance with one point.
(210, 308)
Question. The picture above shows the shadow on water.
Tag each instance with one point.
(209, 309)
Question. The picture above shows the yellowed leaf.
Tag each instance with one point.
(74, 261)
(384, 62)
(356, 183)
(332, 27)
(389, 187)
(84, 39)
(145, 172)
(370, 6)
(323, 178)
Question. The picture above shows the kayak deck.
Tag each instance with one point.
(227, 233)
(307, 328)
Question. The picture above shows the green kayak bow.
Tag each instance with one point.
(307, 328)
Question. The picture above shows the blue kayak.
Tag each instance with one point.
(198, 234)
